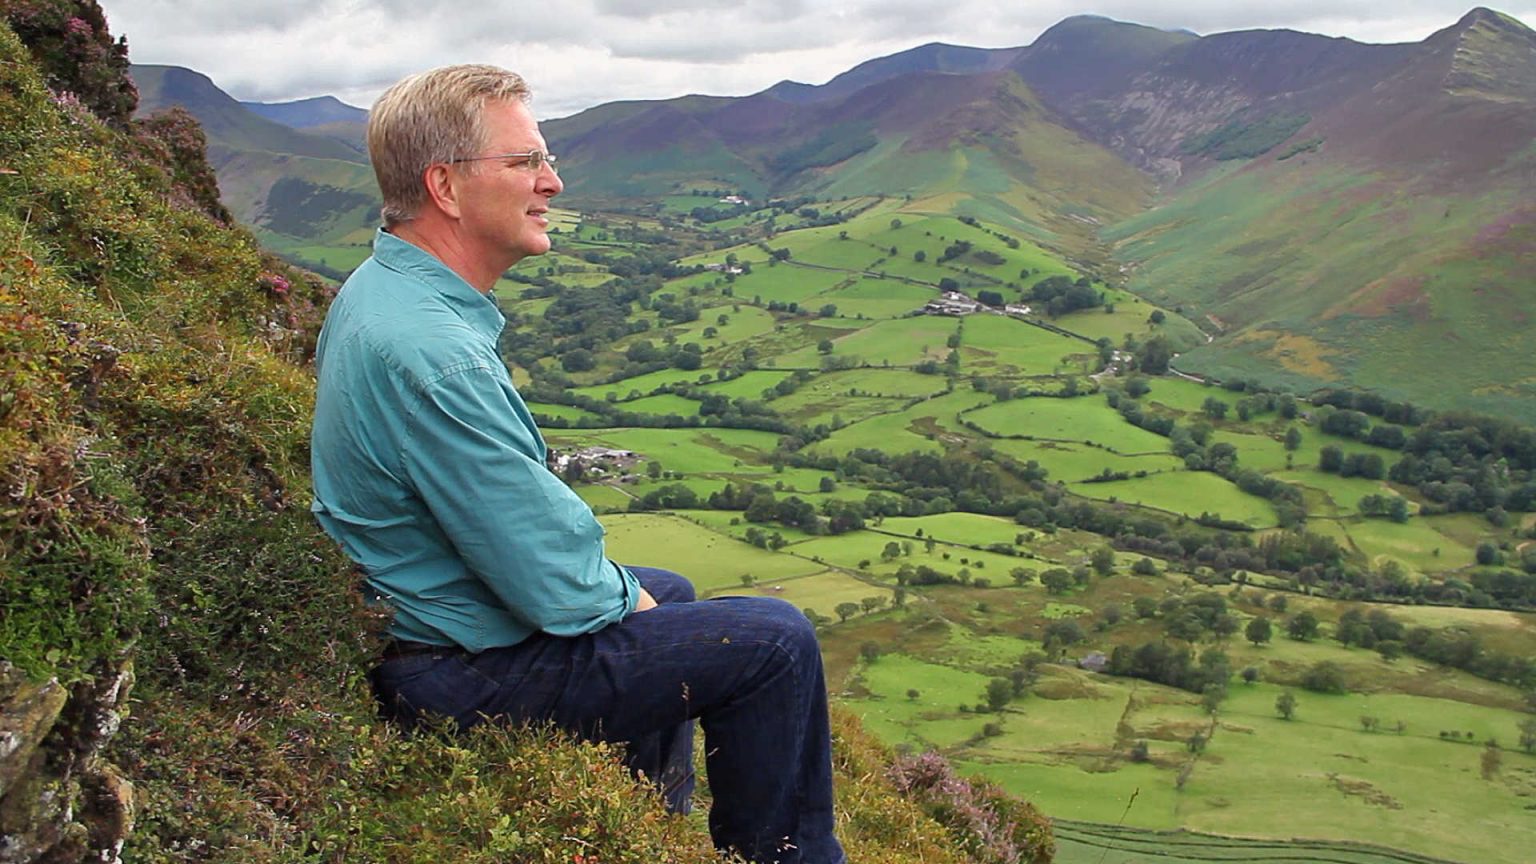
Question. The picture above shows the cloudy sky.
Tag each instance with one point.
(579, 53)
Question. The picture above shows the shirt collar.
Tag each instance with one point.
(478, 310)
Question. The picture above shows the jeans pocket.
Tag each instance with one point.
(414, 689)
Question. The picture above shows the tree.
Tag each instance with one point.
(1056, 580)
(1285, 704)
(1258, 631)
(1154, 355)
(870, 651)
(1292, 438)
(1302, 627)
(1527, 729)
(1492, 759)
(845, 611)
(872, 604)
(1103, 560)
(1214, 408)
(1250, 674)
(1324, 676)
(824, 346)
(999, 693)
(913, 694)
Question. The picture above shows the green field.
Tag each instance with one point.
(1083, 419)
(1066, 744)
(995, 344)
(713, 562)
(901, 342)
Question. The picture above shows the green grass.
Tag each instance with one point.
(969, 529)
(913, 429)
(821, 591)
(1189, 493)
(692, 451)
(875, 298)
(747, 386)
(1086, 418)
(564, 412)
(902, 342)
(643, 384)
(995, 344)
(785, 283)
(663, 405)
(1073, 463)
(712, 561)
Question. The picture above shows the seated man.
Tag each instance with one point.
(430, 472)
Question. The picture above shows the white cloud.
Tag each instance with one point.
(583, 52)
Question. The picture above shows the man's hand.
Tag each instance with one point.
(645, 602)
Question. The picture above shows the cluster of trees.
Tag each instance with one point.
(1171, 665)
(1059, 295)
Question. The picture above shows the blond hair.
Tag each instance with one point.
(432, 117)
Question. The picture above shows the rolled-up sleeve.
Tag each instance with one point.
(532, 541)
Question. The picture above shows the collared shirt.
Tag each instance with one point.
(430, 472)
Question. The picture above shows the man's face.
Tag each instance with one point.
(505, 202)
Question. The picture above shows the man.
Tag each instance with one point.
(429, 471)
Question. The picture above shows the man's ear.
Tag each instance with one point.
(442, 185)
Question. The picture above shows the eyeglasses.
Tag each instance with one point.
(535, 159)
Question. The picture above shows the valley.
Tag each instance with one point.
(1141, 417)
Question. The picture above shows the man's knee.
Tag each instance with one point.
(789, 626)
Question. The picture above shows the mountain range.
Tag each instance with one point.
(1330, 211)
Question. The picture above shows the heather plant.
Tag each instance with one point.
(70, 42)
(981, 819)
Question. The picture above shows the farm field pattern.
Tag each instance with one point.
(856, 361)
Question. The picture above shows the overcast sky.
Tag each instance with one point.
(580, 53)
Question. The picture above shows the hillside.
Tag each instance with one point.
(1385, 243)
(1330, 212)
(182, 651)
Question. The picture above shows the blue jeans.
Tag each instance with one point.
(748, 669)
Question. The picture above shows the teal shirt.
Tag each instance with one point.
(429, 470)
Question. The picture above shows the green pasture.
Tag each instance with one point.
(663, 405)
(1064, 748)
(931, 718)
(1415, 543)
(820, 591)
(810, 407)
(1185, 396)
(692, 451)
(1260, 452)
(743, 321)
(875, 298)
(1084, 418)
(785, 283)
(1073, 463)
(748, 385)
(900, 342)
(602, 497)
(914, 429)
(712, 561)
(997, 344)
(898, 383)
(1344, 493)
(966, 529)
(721, 521)
(1094, 843)
(991, 652)
(564, 412)
(643, 384)
(1188, 492)
(342, 257)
